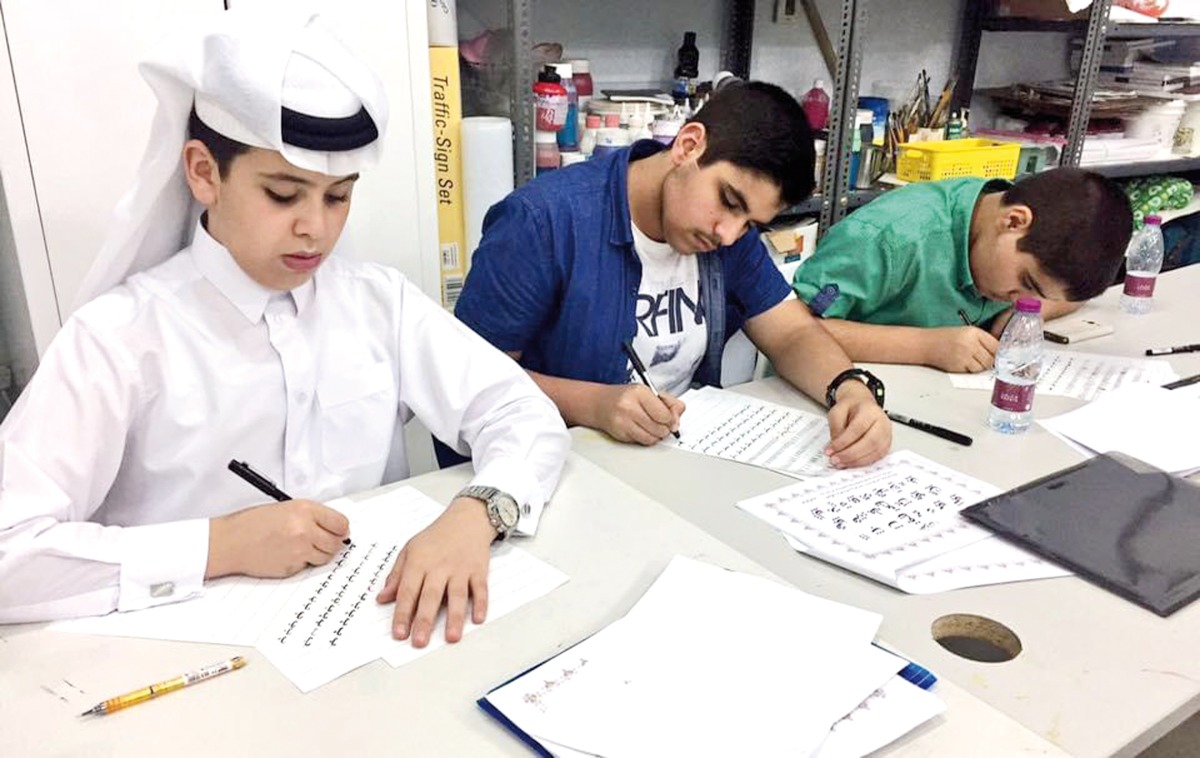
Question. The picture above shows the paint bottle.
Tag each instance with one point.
(955, 126)
(581, 75)
(587, 142)
(545, 152)
(550, 101)
(638, 128)
(687, 69)
(568, 136)
(816, 105)
(612, 137)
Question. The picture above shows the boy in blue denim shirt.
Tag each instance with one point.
(657, 246)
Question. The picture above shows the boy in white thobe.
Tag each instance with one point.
(260, 341)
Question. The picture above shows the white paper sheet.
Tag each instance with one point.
(1152, 424)
(676, 677)
(324, 622)
(1083, 375)
(897, 522)
(1190, 391)
(891, 712)
(727, 425)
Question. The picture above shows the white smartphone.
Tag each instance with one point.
(1069, 329)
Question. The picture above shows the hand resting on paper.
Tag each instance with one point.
(447, 563)
(275, 540)
(860, 433)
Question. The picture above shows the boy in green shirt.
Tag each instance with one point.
(918, 263)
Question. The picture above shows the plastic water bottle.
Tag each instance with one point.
(1018, 363)
(1143, 261)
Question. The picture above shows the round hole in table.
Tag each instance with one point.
(976, 638)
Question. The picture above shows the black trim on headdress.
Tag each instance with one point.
(328, 134)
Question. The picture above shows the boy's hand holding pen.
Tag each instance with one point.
(274, 540)
(634, 417)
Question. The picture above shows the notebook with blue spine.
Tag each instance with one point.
(913, 673)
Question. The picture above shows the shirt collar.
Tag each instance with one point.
(622, 218)
(965, 197)
(217, 265)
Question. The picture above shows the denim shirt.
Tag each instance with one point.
(556, 275)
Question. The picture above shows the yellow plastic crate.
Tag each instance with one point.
(949, 159)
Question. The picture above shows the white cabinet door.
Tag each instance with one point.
(85, 113)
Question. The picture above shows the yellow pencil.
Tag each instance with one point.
(148, 693)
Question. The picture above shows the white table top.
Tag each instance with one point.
(610, 539)
(1098, 675)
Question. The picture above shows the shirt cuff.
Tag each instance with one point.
(513, 477)
(162, 563)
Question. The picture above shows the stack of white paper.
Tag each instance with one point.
(897, 522)
(713, 662)
(1154, 425)
(324, 622)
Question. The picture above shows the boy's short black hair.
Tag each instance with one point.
(223, 149)
(1081, 226)
(761, 128)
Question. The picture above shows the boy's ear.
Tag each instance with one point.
(201, 171)
(1016, 218)
(689, 143)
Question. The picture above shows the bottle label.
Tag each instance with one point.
(1137, 285)
(1015, 398)
(550, 112)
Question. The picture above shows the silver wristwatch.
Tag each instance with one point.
(502, 510)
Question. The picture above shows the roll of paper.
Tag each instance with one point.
(487, 163)
(443, 23)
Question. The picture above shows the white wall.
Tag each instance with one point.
(630, 41)
(86, 114)
(28, 322)
(18, 351)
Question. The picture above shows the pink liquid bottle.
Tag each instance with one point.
(816, 105)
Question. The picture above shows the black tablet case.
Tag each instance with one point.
(1115, 521)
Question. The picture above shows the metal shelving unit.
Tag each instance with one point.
(1095, 29)
(736, 48)
(836, 182)
(836, 193)
(1142, 168)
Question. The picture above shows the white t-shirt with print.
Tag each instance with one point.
(671, 335)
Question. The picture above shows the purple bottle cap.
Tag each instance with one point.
(1029, 305)
(1154, 219)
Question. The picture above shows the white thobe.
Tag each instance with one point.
(114, 457)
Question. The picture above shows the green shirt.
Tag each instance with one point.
(904, 259)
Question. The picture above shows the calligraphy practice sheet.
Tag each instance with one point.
(897, 522)
(672, 678)
(1082, 375)
(324, 622)
(727, 425)
(891, 712)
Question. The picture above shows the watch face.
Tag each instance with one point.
(508, 511)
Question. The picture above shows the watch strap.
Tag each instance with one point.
(488, 495)
(866, 377)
